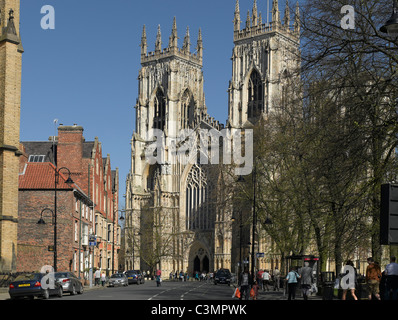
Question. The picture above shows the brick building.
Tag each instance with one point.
(74, 217)
(90, 204)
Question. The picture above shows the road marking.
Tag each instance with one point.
(160, 293)
(193, 289)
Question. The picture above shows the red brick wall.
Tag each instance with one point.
(34, 239)
(70, 149)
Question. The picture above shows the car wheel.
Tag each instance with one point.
(46, 294)
(73, 292)
(81, 290)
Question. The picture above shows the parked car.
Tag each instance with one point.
(118, 279)
(70, 283)
(32, 285)
(135, 276)
(222, 276)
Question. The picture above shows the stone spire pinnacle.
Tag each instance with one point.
(237, 20)
(186, 47)
(254, 14)
(276, 19)
(297, 19)
(173, 43)
(9, 32)
(144, 44)
(287, 16)
(199, 46)
(248, 20)
(158, 44)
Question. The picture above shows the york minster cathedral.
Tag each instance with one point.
(177, 218)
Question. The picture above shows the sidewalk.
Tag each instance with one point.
(4, 295)
(280, 295)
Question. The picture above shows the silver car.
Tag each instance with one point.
(69, 282)
(118, 279)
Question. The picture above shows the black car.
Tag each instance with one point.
(35, 285)
(135, 276)
(222, 276)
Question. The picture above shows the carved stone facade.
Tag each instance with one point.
(262, 56)
(174, 217)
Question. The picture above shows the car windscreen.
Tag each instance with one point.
(61, 275)
(28, 277)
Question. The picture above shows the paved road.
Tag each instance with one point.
(191, 290)
(168, 291)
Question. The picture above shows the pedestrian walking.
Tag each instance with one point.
(158, 280)
(373, 278)
(266, 278)
(277, 276)
(103, 279)
(391, 273)
(245, 282)
(351, 284)
(306, 279)
(255, 290)
(97, 276)
(292, 279)
(259, 277)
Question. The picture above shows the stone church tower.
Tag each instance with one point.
(175, 217)
(264, 55)
(265, 61)
(169, 215)
(10, 102)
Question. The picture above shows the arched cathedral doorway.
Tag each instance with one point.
(199, 260)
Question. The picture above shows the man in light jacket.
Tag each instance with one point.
(306, 278)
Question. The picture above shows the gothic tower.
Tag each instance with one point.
(263, 54)
(163, 197)
(10, 101)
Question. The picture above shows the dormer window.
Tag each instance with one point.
(36, 158)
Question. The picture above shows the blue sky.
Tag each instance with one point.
(85, 70)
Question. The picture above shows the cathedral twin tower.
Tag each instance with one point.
(173, 220)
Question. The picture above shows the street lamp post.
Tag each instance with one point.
(254, 211)
(254, 222)
(113, 242)
(42, 222)
(254, 176)
(54, 213)
(240, 243)
(240, 240)
(56, 180)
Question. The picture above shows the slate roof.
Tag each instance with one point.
(45, 148)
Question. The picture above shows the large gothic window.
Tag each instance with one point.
(255, 96)
(159, 120)
(187, 111)
(198, 205)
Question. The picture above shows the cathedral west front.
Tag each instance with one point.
(178, 216)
